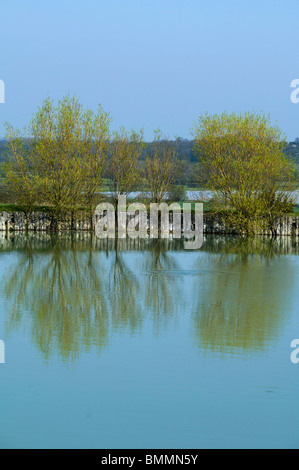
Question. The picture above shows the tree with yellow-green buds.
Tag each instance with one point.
(61, 160)
(241, 159)
(162, 167)
(124, 171)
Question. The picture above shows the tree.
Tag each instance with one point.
(20, 180)
(96, 148)
(162, 167)
(61, 162)
(126, 151)
(241, 160)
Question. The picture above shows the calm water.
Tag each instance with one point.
(140, 344)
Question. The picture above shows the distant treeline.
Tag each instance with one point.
(185, 152)
(185, 149)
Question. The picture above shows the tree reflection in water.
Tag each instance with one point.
(163, 295)
(72, 291)
(61, 291)
(242, 304)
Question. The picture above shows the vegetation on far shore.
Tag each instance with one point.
(68, 160)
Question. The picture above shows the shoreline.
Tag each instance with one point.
(212, 224)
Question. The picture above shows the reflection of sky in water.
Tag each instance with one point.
(149, 348)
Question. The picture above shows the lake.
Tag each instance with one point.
(141, 344)
(200, 195)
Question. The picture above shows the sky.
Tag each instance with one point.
(151, 63)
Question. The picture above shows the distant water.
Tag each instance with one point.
(202, 194)
(190, 195)
(140, 344)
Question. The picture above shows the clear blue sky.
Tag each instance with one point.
(151, 63)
